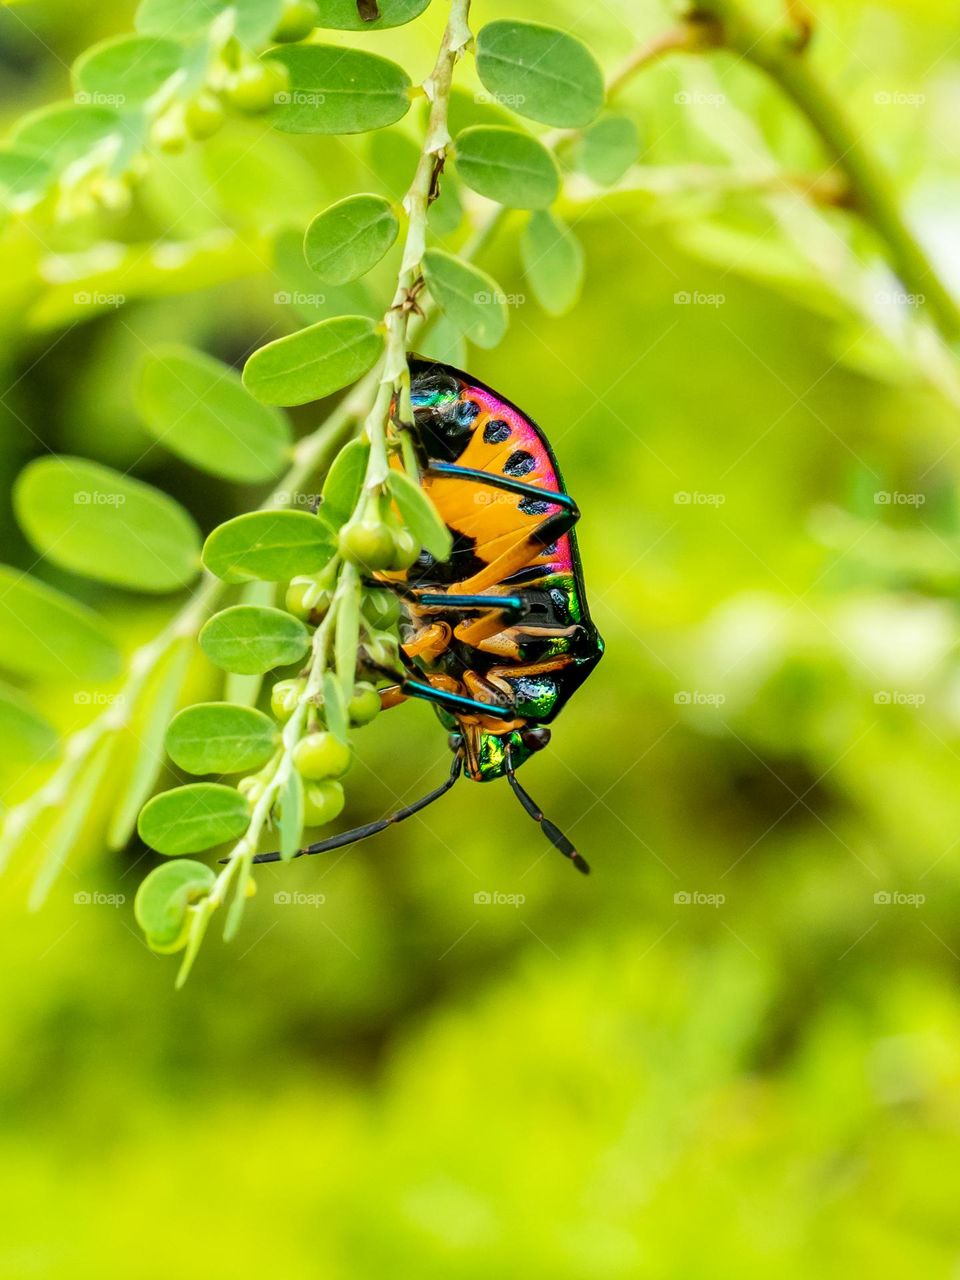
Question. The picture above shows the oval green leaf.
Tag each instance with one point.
(217, 737)
(471, 299)
(46, 635)
(254, 21)
(607, 150)
(268, 545)
(348, 239)
(337, 90)
(541, 72)
(65, 131)
(507, 166)
(553, 262)
(199, 409)
(314, 362)
(96, 522)
(24, 176)
(420, 516)
(160, 907)
(192, 818)
(125, 71)
(344, 482)
(251, 639)
(25, 735)
(352, 15)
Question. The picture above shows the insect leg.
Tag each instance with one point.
(525, 549)
(456, 702)
(550, 829)
(371, 828)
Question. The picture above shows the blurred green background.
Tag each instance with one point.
(735, 1050)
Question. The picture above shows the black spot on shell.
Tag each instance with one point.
(496, 431)
(465, 412)
(534, 507)
(520, 463)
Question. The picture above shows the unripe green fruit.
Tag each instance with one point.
(322, 802)
(382, 649)
(204, 115)
(297, 20)
(284, 698)
(254, 88)
(406, 549)
(296, 598)
(321, 755)
(364, 706)
(381, 608)
(368, 543)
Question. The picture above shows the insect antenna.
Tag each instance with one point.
(550, 829)
(372, 828)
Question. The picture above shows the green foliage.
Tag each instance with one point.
(344, 482)
(290, 809)
(553, 262)
(347, 240)
(349, 15)
(268, 545)
(198, 408)
(103, 525)
(606, 150)
(314, 362)
(252, 639)
(164, 898)
(508, 166)
(78, 647)
(337, 90)
(470, 298)
(253, 20)
(542, 72)
(25, 735)
(420, 516)
(192, 818)
(217, 737)
(127, 70)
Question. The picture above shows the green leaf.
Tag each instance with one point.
(143, 739)
(25, 735)
(473, 300)
(251, 639)
(217, 737)
(46, 635)
(348, 239)
(346, 638)
(420, 515)
(63, 132)
(199, 409)
(553, 261)
(541, 72)
(335, 707)
(607, 150)
(96, 522)
(338, 90)
(254, 21)
(507, 166)
(444, 342)
(241, 687)
(344, 15)
(24, 176)
(446, 212)
(313, 362)
(290, 814)
(191, 818)
(270, 545)
(160, 907)
(344, 483)
(126, 70)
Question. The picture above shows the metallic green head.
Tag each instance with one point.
(485, 753)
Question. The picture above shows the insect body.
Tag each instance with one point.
(498, 636)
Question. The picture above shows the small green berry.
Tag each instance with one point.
(364, 706)
(322, 802)
(204, 115)
(251, 789)
(406, 549)
(368, 543)
(284, 698)
(296, 598)
(255, 87)
(321, 755)
(297, 20)
(381, 608)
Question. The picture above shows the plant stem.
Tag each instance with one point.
(779, 53)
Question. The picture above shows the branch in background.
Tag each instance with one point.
(779, 52)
